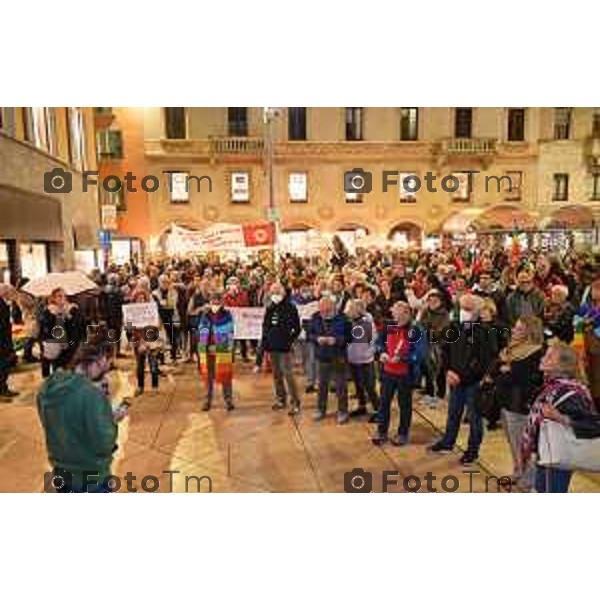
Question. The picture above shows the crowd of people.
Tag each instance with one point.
(508, 338)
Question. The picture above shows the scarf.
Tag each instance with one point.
(552, 391)
(517, 351)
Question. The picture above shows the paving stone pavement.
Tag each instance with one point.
(251, 449)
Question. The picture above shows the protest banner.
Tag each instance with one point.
(247, 322)
(140, 315)
(306, 311)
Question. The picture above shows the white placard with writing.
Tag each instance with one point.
(306, 311)
(141, 315)
(247, 322)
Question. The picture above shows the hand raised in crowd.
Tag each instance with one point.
(453, 379)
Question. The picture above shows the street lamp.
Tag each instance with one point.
(269, 115)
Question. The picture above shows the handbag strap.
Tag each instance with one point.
(564, 398)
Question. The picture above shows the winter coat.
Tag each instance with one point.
(78, 424)
(337, 327)
(281, 326)
(362, 348)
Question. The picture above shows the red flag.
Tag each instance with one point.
(515, 251)
(259, 235)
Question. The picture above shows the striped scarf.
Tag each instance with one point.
(553, 391)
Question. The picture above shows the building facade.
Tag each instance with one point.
(46, 221)
(532, 169)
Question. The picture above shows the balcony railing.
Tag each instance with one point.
(236, 145)
(470, 146)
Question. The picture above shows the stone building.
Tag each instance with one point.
(46, 221)
(533, 169)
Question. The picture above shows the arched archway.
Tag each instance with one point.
(405, 233)
(503, 218)
(460, 221)
(571, 217)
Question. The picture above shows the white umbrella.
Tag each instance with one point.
(73, 282)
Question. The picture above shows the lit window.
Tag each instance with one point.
(596, 186)
(40, 128)
(76, 137)
(513, 187)
(562, 123)
(298, 187)
(408, 187)
(462, 193)
(561, 187)
(179, 186)
(409, 120)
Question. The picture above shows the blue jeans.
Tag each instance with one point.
(549, 480)
(461, 397)
(390, 386)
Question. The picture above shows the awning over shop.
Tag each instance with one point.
(29, 217)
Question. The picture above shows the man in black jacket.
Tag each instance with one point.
(281, 328)
(6, 343)
(470, 352)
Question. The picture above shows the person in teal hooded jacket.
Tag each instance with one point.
(79, 424)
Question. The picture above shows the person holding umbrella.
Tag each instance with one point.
(62, 329)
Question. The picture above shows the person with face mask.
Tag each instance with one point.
(79, 422)
(281, 328)
(469, 354)
(215, 350)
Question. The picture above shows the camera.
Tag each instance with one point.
(358, 181)
(362, 331)
(58, 181)
(58, 480)
(358, 481)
